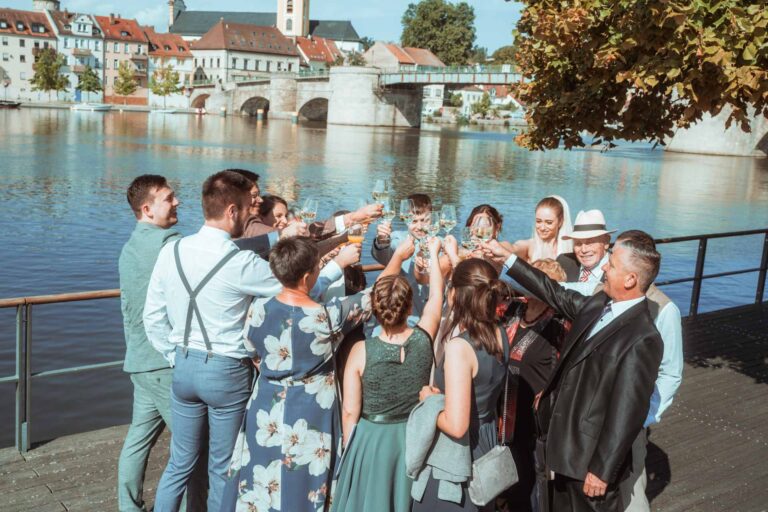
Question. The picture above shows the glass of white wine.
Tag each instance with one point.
(433, 228)
(388, 213)
(406, 211)
(448, 218)
(482, 228)
(380, 191)
(468, 241)
(308, 212)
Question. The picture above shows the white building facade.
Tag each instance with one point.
(23, 34)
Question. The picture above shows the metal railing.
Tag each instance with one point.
(24, 376)
(698, 277)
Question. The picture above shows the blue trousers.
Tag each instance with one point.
(208, 395)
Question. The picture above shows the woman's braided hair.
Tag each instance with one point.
(392, 300)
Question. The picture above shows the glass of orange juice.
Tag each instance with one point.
(356, 234)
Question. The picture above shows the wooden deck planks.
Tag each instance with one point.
(709, 453)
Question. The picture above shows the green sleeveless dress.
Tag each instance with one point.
(372, 475)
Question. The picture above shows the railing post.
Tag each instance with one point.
(763, 271)
(697, 277)
(21, 383)
(27, 425)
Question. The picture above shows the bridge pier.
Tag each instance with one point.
(282, 97)
(357, 100)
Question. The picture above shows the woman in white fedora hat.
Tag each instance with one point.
(552, 222)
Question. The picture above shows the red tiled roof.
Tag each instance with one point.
(424, 57)
(318, 49)
(501, 91)
(29, 20)
(400, 54)
(116, 28)
(167, 45)
(246, 38)
(65, 18)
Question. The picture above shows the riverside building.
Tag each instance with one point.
(22, 35)
(124, 41)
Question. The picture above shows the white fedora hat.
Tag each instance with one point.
(588, 224)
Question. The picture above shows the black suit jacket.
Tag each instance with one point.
(571, 266)
(598, 396)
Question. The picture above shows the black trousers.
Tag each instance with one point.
(568, 496)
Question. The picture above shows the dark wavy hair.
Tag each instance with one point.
(490, 211)
(477, 293)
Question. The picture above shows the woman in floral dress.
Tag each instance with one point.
(286, 455)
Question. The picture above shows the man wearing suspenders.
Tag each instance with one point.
(194, 314)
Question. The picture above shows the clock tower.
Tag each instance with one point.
(293, 17)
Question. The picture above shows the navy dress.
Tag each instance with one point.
(285, 456)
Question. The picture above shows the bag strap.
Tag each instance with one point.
(334, 346)
(505, 343)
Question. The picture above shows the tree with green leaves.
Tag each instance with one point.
(126, 82)
(367, 42)
(445, 28)
(479, 55)
(505, 55)
(355, 59)
(88, 81)
(48, 76)
(456, 100)
(164, 82)
(483, 106)
(639, 70)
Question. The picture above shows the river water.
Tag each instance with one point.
(64, 214)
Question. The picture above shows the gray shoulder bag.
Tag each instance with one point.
(495, 472)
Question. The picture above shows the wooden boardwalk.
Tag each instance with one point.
(710, 453)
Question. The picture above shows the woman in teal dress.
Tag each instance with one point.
(382, 381)
(286, 455)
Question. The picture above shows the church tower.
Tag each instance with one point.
(293, 17)
(175, 7)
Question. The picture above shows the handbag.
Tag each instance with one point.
(496, 471)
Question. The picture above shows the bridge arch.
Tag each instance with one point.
(315, 109)
(199, 101)
(252, 105)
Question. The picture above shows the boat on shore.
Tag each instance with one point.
(9, 104)
(92, 107)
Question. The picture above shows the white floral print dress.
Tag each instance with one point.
(285, 456)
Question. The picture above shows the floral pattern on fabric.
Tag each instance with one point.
(292, 429)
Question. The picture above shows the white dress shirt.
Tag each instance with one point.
(614, 310)
(223, 302)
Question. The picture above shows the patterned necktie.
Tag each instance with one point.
(584, 277)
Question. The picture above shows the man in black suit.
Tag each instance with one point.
(595, 403)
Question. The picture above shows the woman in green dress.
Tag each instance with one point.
(382, 380)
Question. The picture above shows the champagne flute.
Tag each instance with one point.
(380, 191)
(388, 214)
(406, 211)
(448, 218)
(308, 212)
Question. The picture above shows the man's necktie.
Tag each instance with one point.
(584, 277)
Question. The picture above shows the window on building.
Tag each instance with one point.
(268, 65)
(116, 64)
(124, 34)
(23, 75)
(3, 24)
(289, 25)
(256, 65)
(5, 57)
(114, 80)
(245, 64)
(139, 50)
(116, 47)
(167, 48)
(439, 93)
(279, 66)
(289, 6)
(66, 42)
(127, 48)
(290, 67)
(96, 45)
(5, 41)
(22, 43)
(22, 58)
(96, 63)
(218, 62)
(234, 63)
(36, 44)
(20, 26)
(45, 44)
(195, 61)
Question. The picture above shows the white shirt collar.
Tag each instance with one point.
(214, 232)
(618, 308)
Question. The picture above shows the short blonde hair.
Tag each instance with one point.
(552, 268)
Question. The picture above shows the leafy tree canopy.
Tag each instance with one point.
(126, 83)
(367, 42)
(483, 106)
(445, 28)
(89, 81)
(479, 55)
(48, 76)
(636, 70)
(164, 82)
(355, 59)
(505, 55)
(457, 100)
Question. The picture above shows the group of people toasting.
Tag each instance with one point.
(473, 374)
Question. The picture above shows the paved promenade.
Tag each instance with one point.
(710, 453)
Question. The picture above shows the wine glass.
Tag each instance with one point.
(388, 213)
(406, 211)
(468, 240)
(308, 212)
(356, 234)
(380, 191)
(482, 228)
(433, 228)
(448, 218)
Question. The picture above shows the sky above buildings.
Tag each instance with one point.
(379, 19)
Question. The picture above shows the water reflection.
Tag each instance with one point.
(65, 217)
